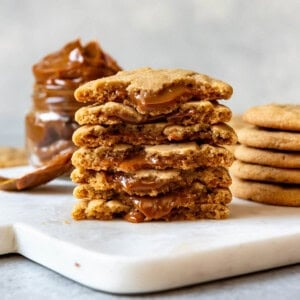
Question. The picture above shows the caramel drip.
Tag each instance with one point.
(134, 216)
(155, 208)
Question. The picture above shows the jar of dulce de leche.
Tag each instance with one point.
(50, 122)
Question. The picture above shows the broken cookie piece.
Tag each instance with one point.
(153, 91)
(152, 134)
(189, 113)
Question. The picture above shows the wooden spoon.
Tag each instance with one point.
(59, 165)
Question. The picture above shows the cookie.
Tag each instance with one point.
(269, 139)
(268, 193)
(126, 158)
(267, 157)
(195, 192)
(151, 182)
(194, 201)
(277, 116)
(153, 91)
(152, 134)
(108, 210)
(12, 157)
(189, 113)
(265, 173)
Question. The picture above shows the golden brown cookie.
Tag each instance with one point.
(151, 182)
(12, 157)
(153, 91)
(107, 210)
(267, 157)
(192, 112)
(269, 139)
(126, 158)
(195, 192)
(265, 173)
(152, 134)
(268, 193)
(277, 116)
(195, 200)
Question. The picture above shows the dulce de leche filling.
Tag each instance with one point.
(143, 184)
(147, 208)
(140, 185)
(154, 208)
(147, 102)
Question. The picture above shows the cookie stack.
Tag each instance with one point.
(267, 168)
(149, 147)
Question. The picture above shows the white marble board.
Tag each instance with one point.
(120, 257)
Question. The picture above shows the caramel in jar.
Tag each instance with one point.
(50, 122)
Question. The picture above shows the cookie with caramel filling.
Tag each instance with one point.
(108, 210)
(153, 91)
(152, 134)
(190, 203)
(151, 182)
(189, 113)
(126, 158)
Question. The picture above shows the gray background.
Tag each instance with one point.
(253, 45)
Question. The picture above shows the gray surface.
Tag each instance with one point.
(254, 45)
(23, 279)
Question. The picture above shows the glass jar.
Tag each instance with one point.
(50, 123)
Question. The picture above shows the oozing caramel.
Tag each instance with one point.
(155, 208)
(134, 216)
(146, 102)
(140, 185)
(136, 163)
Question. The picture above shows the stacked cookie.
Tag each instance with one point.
(267, 168)
(149, 147)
